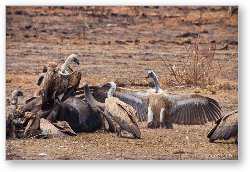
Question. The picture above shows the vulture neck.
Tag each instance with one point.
(156, 82)
(65, 65)
(111, 90)
(14, 103)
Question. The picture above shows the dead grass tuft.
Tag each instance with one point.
(196, 67)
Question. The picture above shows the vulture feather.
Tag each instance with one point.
(226, 128)
(121, 114)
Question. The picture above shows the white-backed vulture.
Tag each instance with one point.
(167, 108)
(64, 68)
(10, 118)
(226, 128)
(161, 108)
(58, 82)
(122, 114)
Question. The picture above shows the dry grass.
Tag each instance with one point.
(197, 66)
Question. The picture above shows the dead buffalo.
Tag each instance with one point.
(75, 111)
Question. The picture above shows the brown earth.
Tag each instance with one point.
(120, 44)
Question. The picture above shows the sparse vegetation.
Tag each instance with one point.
(197, 66)
(54, 33)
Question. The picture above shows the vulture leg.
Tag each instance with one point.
(162, 117)
(151, 119)
(118, 131)
(169, 125)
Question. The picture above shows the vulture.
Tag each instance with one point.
(119, 113)
(64, 69)
(161, 108)
(51, 65)
(59, 82)
(226, 128)
(57, 129)
(10, 120)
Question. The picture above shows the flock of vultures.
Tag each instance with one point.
(60, 107)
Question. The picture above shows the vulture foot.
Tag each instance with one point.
(169, 126)
(119, 133)
(151, 125)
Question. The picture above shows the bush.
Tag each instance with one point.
(197, 67)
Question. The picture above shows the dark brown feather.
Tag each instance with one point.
(226, 127)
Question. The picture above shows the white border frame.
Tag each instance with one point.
(240, 165)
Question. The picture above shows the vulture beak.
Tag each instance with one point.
(76, 61)
(150, 74)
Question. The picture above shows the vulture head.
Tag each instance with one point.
(111, 86)
(14, 96)
(73, 58)
(153, 75)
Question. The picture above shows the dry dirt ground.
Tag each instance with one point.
(120, 44)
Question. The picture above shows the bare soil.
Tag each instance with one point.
(119, 44)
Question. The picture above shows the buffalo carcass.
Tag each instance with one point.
(75, 111)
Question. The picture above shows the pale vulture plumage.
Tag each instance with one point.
(56, 129)
(121, 114)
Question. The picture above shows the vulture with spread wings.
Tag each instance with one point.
(161, 108)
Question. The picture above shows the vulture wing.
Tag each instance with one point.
(40, 78)
(226, 127)
(193, 109)
(137, 99)
(124, 115)
(47, 87)
(55, 84)
(140, 105)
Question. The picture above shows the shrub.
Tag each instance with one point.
(196, 67)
